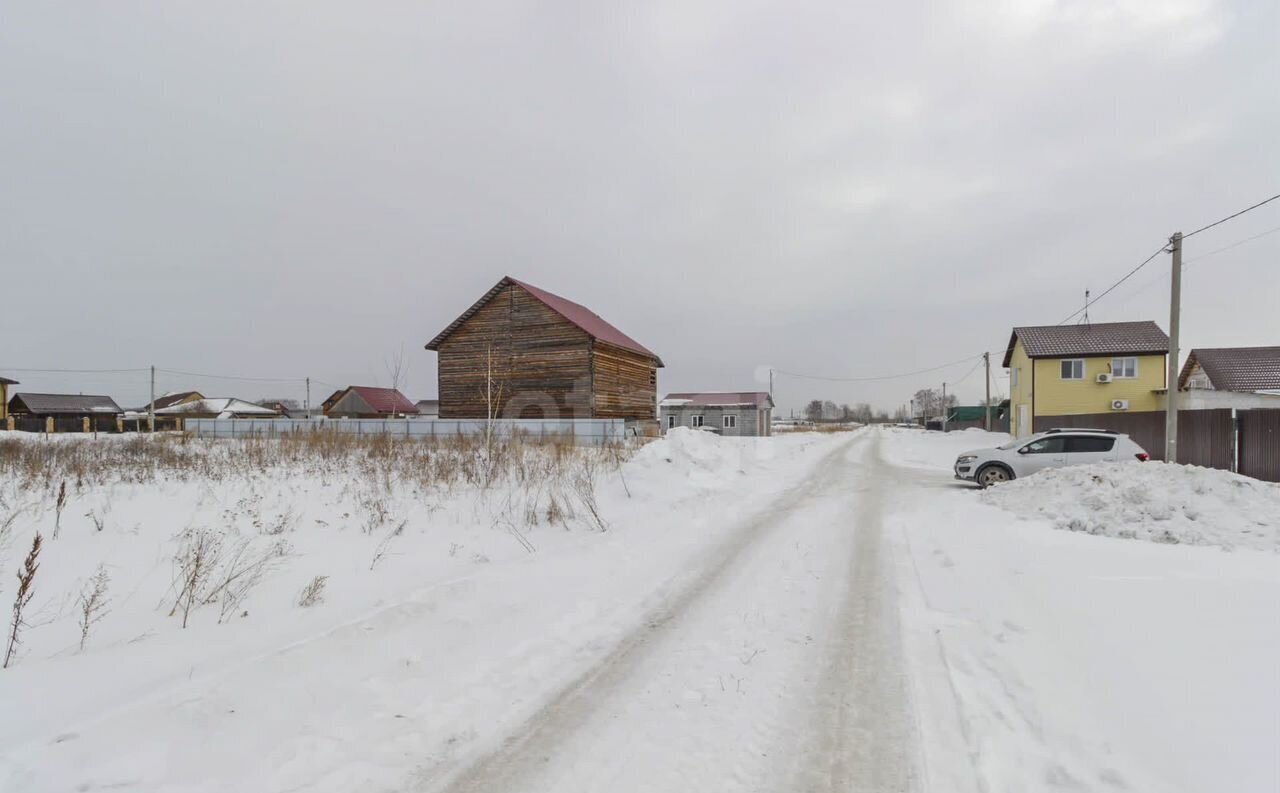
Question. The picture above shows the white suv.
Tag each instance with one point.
(1050, 449)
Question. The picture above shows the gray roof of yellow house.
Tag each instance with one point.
(1085, 341)
(7, 381)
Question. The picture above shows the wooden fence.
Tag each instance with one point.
(1209, 438)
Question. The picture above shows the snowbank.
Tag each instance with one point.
(1053, 660)
(1156, 502)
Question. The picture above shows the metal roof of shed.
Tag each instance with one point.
(756, 399)
(45, 404)
(1247, 369)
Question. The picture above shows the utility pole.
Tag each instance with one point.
(151, 409)
(1171, 377)
(986, 358)
(306, 405)
(771, 384)
(944, 407)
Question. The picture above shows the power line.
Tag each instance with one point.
(960, 380)
(1193, 259)
(1111, 288)
(232, 377)
(880, 377)
(1232, 216)
(1187, 264)
(74, 371)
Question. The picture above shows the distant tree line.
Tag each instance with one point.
(826, 410)
(929, 403)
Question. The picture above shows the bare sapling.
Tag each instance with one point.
(396, 369)
(194, 563)
(492, 409)
(59, 505)
(313, 593)
(94, 603)
(26, 576)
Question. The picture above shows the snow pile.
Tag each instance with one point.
(1156, 502)
(918, 448)
(707, 461)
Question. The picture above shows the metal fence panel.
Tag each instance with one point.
(1204, 436)
(581, 431)
(1260, 444)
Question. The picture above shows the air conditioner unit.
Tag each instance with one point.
(1119, 404)
(1104, 378)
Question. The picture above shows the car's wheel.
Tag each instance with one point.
(993, 474)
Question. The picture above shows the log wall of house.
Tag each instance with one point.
(541, 362)
(624, 384)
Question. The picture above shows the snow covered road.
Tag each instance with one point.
(778, 668)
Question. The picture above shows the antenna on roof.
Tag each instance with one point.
(1085, 319)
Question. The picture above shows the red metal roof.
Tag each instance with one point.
(385, 400)
(759, 399)
(579, 315)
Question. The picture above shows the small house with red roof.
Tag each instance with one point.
(368, 402)
(522, 352)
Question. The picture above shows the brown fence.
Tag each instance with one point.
(1260, 444)
(1204, 436)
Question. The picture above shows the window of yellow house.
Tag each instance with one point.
(1013, 377)
(1073, 369)
(1124, 368)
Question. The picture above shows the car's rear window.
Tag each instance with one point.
(1089, 443)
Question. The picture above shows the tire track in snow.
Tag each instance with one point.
(524, 752)
(866, 727)
(856, 735)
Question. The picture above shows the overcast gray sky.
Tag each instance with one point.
(839, 189)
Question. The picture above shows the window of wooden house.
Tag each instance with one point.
(695, 421)
(653, 377)
(671, 421)
(730, 422)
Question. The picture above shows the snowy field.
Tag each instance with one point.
(448, 601)
(1048, 659)
(804, 612)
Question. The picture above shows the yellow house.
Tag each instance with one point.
(1076, 370)
(4, 399)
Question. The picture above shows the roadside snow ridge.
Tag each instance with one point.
(1154, 502)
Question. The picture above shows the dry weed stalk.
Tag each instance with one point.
(26, 576)
(313, 593)
(59, 504)
(93, 602)
(194, 563)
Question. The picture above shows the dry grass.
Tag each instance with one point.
(823, 428)
(378, 460)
